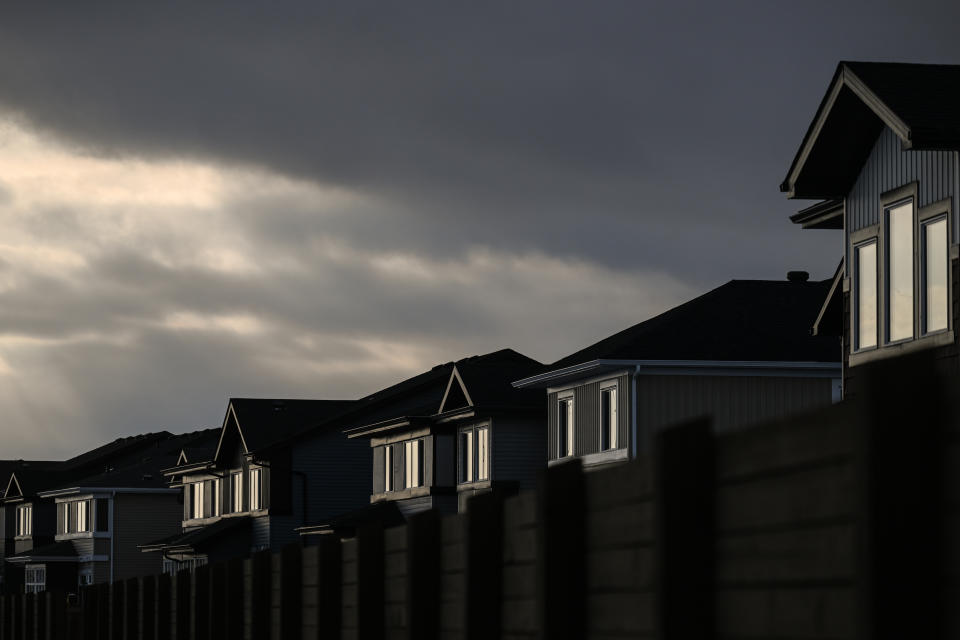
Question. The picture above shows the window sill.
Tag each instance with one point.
(413, 492)
(941, 339)
(78, 535)
(470, 486)
(589, 459)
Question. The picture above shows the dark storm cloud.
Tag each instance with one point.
(628, 127)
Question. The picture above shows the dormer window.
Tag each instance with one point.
(24, 524)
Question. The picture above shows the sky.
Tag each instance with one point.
(318, 200)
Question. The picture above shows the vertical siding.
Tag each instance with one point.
(623, 411)
(378, 475)
(732, 401)
(889, 167)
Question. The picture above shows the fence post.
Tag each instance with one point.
(901, 547)
(55, 616)
(200, 603)
(148, 608)
(291, 591)
(260, 568)
(131, 606)
(370, 596)
(163, 616)
(423, 576)
(561, 551)
(39, 617)
(29, 623)
(218, 608)
(684, 502)
(234, 613)
(483, 531)
(182, 599)
(329, 587)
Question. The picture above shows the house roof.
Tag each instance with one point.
(481, 381)
(199, 538)
(266, 421)
(64, 551)
(919, 102)
(742, 320)
(386, 513)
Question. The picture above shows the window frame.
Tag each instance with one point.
(570, 417)
(388, 468)
(255, 489)
(413, 445)
(23, 525)
(863, 238)
(889, 203)
(932, 214)
(30, 582)
(237, 495)
(612, 436)
(472, 434)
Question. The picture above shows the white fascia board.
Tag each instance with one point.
(101, 492)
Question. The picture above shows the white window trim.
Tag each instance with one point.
(255, 492)
(931, 214)
(34, 585)
(610, 385)
(24, 520)
(870, 238)
(236, 491)
(388, 468)
(475, 472)
(885, 268)
(413, 464)
(562, 398)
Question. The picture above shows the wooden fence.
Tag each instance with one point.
(838, 524)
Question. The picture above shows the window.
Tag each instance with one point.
(565, 427)
(24, 520)
(865, 294)
(195, 490)
(236, 491)
(465, 450)
(256, 489)
(608, 418)
(413, 463)
(215, 497)
(85, 577)
(899, 262)
(473, 450)
(74, 516)
(388, 468)
(483, 453)
(934, 263)
(35, 578)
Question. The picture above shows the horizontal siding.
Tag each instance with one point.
(518, 451)
(139, 519)
(888, 167)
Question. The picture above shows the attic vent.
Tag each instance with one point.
(798, 276)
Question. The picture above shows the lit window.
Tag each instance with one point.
(413, 463)
(256, 489)
(82, 515)
(196, 500)
(388, 468)
(608, 418)
(236, 491)
(565, 427)
(935, 264)
(24, 520)
(215, 497)
(899, 262)
(483, 453)
(865, 294)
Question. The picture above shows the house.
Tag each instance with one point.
(742, 353)
(274, 465)
(444, 435)
(79, 521)
(880, 158)
(16, 523)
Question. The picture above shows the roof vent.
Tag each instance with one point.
(798, 276)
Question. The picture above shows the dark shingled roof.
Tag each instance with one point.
(63, 549)
(489, 379)
(198, 538)
(266, 421)
(743, 320)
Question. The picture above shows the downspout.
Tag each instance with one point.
(633, 410)
(113, 534)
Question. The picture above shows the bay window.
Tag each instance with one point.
(935, 262)
(236, 491)
(565, 426)
(256, 489)
(899, 263)
(865, 295)
(473, 450)
(24, 524)
(413, 463)
(388, 468)
(608, 418)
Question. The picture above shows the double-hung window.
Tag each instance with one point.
(565, 426)
(898, 221)
(413, 463)
(74, 517)
(35, 578)
(24, 520)
(196, 500)
(473, 449)
(256, 489)
(608, 417)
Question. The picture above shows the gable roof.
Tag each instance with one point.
(478, 381)
(263, 422)
(742, 320)
(920, 103)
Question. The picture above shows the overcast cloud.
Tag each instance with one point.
(318, 201)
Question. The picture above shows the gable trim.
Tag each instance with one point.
(13, 480)
(223, 431)
(843, 77)
(463, 387)
(834, 289)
